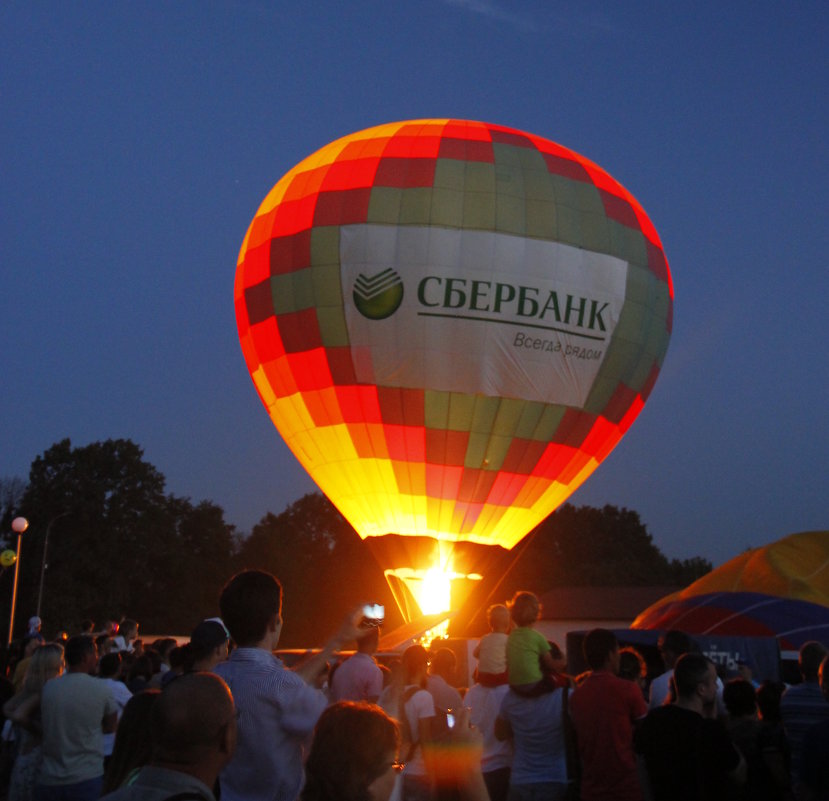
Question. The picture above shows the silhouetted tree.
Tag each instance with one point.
(322, 564)
(588, 546)
(117, 544)
(11, 494)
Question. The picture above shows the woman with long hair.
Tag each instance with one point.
(23, 709)
(353, 756)
(416, 716)
(133, 741)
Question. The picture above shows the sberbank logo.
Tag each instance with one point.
(378, 296)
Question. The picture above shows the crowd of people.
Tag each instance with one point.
(104, 715)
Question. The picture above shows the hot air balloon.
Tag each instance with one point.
(779, 590)
(451, 324)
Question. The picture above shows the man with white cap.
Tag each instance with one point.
(34, 628)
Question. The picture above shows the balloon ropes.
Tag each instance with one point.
(451, 324)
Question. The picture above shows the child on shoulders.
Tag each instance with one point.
(530, 664)
(491, 651)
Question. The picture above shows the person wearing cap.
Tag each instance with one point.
(33, 629)
(208, 645)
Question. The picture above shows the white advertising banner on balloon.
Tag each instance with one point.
(478, 312)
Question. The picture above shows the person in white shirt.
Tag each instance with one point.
(672, 645)
(277, 708)
(75, 709)
(484, 704)
(127, 635)
(109, 671)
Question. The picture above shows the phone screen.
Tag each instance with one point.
(374, 613)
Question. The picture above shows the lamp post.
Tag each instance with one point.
(19, 525)
(43, 560)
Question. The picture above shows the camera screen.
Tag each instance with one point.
(374, 612)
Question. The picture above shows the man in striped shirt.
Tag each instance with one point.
(277, 708)
(803, 705)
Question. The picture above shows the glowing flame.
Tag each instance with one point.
(434, 593)
(429, 592)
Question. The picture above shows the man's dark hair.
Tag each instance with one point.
(178, 656)
(444, 663)
(678, 642)
(248, 602)
(739, 698)
(163, 645)
(689, 671)
(598, 645)
(141, 668)
(812, 653)
(631, 664)
(769, 694)
(77, 648)
(413, 663)
(109, 665)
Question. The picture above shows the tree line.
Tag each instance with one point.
(117, 544)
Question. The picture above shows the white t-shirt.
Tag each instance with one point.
(485, 703)
(419, 706)
(492, 653)
(73, 707)
(120, 694)
(660, 689)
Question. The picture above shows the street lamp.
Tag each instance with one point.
(19, 525)
(43, 560)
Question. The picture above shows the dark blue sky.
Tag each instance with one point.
(138, 140)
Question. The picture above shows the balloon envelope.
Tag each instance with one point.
(747, 614)
(451, 324)
(781, 589)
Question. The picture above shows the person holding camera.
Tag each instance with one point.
(359, 678)
(277, 708)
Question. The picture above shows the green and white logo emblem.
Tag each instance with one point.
(378, 296)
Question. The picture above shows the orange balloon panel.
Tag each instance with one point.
(451, 324)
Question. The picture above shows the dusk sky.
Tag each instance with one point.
(138, 140)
